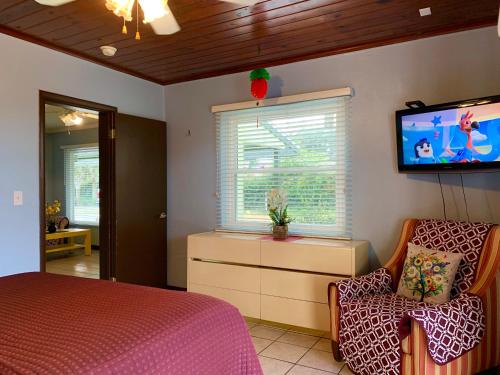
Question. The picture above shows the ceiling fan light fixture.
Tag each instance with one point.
(121, 8)
(153, 9)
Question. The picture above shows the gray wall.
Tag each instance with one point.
(54, 167)
(440, 69)
(25, 69)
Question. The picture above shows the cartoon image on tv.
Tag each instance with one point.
(423, 152)
(459, 135)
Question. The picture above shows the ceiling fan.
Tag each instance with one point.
(156, 12)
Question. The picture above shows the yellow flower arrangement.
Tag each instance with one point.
(51, 210)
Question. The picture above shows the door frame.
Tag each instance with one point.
(107, 116)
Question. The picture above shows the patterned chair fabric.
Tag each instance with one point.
(377, 331)
(455, 237)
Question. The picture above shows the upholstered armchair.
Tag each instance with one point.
(376, 331)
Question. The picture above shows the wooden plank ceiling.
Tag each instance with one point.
(219, 38)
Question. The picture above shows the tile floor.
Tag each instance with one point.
(76, 264)
(293, 351)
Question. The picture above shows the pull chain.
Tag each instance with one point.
(137, 33)
(124, 28)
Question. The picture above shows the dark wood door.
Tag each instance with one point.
(141, 201)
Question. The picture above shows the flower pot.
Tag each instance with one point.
(280, 232)
(51, 228)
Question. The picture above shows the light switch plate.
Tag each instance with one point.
(18, 198)
(425, 12)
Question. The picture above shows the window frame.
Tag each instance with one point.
(227, 215)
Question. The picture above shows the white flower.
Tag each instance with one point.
(412, 271)
(276, 199)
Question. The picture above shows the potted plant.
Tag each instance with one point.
(278, 212)
(51, 211)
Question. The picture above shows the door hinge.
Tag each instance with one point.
(112, 134)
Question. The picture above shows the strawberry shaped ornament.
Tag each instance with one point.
(259, 78)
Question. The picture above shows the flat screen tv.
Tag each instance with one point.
(456, 136)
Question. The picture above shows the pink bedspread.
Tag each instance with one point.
(51, 324)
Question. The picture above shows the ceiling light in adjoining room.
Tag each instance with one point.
(71, 119)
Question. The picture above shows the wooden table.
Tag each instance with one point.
(70, 234)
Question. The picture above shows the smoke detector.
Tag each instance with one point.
(108, 51)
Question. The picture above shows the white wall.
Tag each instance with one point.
(441, 69)
(24, 69)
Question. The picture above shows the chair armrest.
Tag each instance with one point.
(452, 328)
(376, 282)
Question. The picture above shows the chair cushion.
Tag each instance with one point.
(455, 237)
(428, 275)
(369, 332)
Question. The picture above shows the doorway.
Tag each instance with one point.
(76, 185)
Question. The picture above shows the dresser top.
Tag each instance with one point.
(291, 240)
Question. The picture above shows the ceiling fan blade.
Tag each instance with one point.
(165, 25)
(53, 3)
(242, 2)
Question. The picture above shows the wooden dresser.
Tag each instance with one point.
(280, 281)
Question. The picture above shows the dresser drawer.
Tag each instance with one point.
(307, 256)
(298, 313)
(296, 285)
(226, 247)
(242, 278)
(247, 303)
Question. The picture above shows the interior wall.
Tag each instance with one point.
(435, 70)
(54, 168)
(25, 69)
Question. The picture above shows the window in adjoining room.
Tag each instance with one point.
(81, 179)
(302, 148)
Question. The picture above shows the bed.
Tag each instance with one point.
(58, 325)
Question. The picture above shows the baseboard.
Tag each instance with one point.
(178, 288)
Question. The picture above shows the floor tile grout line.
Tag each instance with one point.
(307, 351)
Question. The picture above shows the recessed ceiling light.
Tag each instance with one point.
(425, 12)
(108, 50)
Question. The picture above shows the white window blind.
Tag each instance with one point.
(81, 180)
(302, 148)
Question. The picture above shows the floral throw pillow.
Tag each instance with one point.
(428, 274)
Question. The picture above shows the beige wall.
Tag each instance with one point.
(440, 69)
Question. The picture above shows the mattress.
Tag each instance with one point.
(54, 324)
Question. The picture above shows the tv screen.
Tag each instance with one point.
(453, 136)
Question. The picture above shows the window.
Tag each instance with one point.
(81, 180)
(302, 148)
